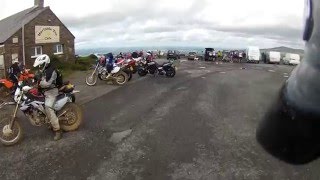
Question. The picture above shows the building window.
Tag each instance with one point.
(58, 49)
(1, 62)
(37, 51)
(15, 40)
(14, 57)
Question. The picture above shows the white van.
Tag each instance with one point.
(274, 57)
(253, 54)
(291, 59)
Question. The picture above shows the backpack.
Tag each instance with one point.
(59, 80)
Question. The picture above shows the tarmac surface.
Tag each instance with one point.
(198, 125)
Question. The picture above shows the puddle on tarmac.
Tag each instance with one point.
(118, 136)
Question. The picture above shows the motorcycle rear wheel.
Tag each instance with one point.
(121, 78)
(13, 137)
(91, 80)
(73, 117)
(142, 72)
(171, 72)
(129, 74)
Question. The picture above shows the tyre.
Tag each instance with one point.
(120, 78)
(91, 79)
(72, 118)
(8, 138)
(129, 76)
(171, 72)
(142, 72)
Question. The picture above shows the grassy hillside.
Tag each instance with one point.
(283, 49)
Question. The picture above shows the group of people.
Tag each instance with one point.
(234, 56)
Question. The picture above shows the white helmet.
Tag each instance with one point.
(42, 59)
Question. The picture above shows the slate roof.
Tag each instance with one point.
(12, 24)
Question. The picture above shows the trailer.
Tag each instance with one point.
(274, 57)
(253, 54)
(291, 59)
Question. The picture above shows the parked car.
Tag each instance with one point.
(173, 54)
(253, 54)
(273, 57)
(192, 56)
(291, 59)
(209, 54)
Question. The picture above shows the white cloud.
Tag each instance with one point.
(226, 23)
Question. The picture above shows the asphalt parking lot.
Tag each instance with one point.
(198, 125)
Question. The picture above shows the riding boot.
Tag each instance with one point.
(58, 135)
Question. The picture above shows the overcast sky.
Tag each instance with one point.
(216, 23)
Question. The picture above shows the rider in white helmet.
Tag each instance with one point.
(48, 85)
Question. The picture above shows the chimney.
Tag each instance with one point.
(39, 3)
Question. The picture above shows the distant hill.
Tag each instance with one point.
(284, 49)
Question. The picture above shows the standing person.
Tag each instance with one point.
(50, 81)
(14, 72)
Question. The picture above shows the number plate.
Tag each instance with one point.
(131, 68)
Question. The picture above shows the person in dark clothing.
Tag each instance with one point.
(14, 72)
(110, 62)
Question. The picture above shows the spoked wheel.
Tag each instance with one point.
(71, 117)
(142, 72)
(91, 79)
(121, 78)
(9, 137)
(171, 72)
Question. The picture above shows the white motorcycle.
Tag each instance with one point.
(31, 103)
(100, 71)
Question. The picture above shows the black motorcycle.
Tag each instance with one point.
(154, 68)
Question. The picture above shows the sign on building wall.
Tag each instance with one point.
(47, 34)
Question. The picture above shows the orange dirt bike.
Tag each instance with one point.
(7, 86)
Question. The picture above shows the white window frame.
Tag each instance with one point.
(57, 49)
(15, 40)
(36, 53)
(2, 66)
(14, 56)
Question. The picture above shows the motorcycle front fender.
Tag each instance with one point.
(115, 70)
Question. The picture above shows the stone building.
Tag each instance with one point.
(33, 32)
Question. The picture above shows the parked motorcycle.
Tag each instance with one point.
(100, 71)
(31, 102)
(7, 86)
(129, 66)
(154, 68)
